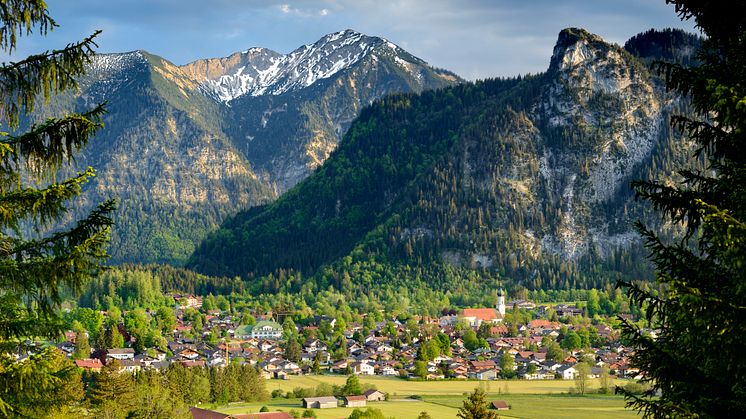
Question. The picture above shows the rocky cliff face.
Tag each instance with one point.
(601, 92)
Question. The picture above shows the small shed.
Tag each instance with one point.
(374, 395)
(355, 401)
(319, 402)
(500, 405)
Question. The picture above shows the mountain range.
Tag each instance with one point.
(186, 146)
(523, 179)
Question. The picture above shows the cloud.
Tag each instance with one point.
(287, 9)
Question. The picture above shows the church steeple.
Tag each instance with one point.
(501, 301)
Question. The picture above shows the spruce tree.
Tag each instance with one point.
(113, 392)
(476, 407)
(36, 267)
(695, 365)
(82, 345)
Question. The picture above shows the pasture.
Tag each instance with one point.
(441, 399)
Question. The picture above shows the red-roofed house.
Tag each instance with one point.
(90, 364)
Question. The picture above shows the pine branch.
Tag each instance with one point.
(675, 203)
(48, 74)
(19, 17)
(45, 147)
(40, 205)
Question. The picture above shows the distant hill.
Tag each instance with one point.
(523, 179)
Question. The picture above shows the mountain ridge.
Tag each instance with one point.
(259, 71)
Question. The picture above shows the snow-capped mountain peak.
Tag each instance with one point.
(260, 71)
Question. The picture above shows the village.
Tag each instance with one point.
(475, 344)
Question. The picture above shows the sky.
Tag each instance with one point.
(474, 38)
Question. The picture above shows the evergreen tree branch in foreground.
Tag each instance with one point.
(695, 363)
(35, 267)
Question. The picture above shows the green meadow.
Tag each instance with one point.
(441, 399)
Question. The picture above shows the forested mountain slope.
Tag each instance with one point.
(521, 179)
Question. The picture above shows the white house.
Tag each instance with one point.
(121, 353)
(361, 368)
(266, 330)
(568, 372)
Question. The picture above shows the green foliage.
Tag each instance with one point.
(581, 377)
(82, 346)
(45, 385)
(476, 407)
(672, 45)
(154, 398)
(507, 365)
(695, 366)
(309, 413)
(369, 413)
(191, 384)
(571, 341)
(352, 387)
(236, 383)
(471, 341)
(112, 394)
(420, 369)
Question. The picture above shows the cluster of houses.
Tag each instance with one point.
(377, 353)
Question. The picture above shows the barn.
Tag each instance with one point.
(319, 402)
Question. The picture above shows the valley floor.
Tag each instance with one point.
(442, 399)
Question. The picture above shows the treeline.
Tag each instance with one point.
(673, 45)
(130, 286)
(348, 294)
(113, 393)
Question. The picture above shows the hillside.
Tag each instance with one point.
(186, 146)
(521, 179)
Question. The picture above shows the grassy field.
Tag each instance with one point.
(539, 406)
(441, 399)
(398, 387)
(523, 406)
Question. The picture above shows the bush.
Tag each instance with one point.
(300, 392)
(309, 413)
(264, 409)
(277, 393)
(324, 389)
(635, 387)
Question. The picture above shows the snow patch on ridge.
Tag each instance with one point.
(268, 73)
